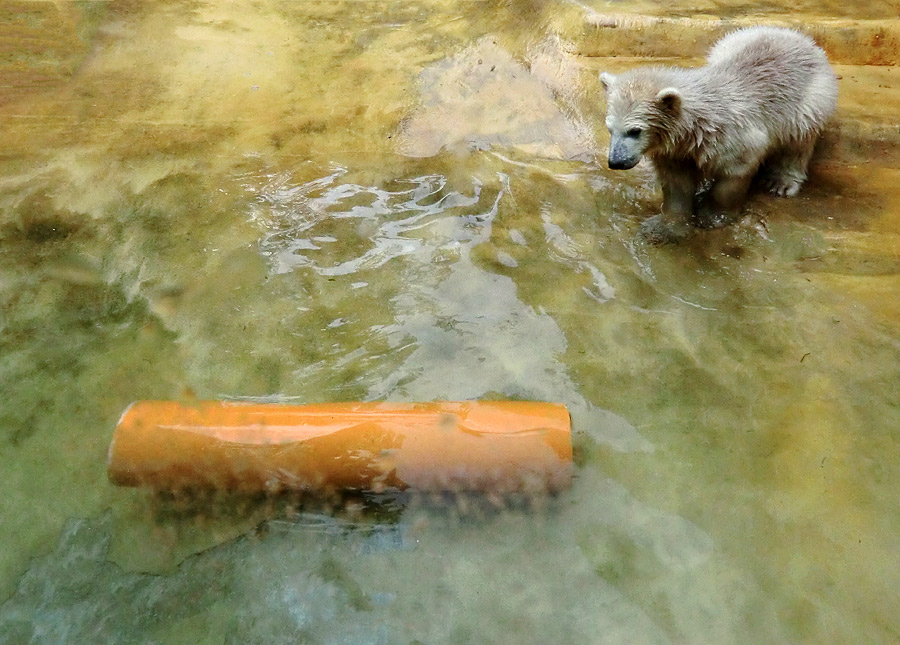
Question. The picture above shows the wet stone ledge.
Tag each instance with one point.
(848, 42)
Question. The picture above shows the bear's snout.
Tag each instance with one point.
(622, 156)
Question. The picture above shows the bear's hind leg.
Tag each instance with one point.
(785, 173)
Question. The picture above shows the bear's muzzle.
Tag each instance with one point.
(622, 155)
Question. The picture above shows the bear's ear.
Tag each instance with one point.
(669, 99)
(606, 80)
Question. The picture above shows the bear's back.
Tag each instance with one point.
(765, 46)
(779, 70)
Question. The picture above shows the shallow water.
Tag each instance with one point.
(406, 201)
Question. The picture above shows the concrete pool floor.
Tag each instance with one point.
(314, 201)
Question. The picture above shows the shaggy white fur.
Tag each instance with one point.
(761, 101)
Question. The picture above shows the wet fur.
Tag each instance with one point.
(762, 99)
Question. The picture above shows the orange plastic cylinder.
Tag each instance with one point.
(489, 446)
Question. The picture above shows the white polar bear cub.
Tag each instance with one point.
(761, 101)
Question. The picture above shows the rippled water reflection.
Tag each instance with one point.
(271, 201)
(422, 220)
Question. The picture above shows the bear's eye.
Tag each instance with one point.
(633, 132)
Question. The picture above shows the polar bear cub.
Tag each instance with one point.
(758, 105)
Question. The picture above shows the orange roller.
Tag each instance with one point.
(490, 446)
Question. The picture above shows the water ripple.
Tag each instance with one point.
(338, 229)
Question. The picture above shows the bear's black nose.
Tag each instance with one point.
(621, 164)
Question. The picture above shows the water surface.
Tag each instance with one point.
(301, 201)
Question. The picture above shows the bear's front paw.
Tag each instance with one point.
(657, 231)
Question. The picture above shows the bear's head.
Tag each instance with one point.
(639, 109)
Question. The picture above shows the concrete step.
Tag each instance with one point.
(800, 10)
(847, 40)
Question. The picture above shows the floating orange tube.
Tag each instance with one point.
(490, 446)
